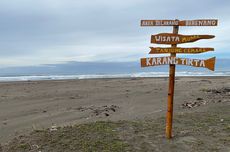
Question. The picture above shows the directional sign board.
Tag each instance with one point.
(169, 38)
(205, 22)
(209, 63)
(158, 50)
(174, 38)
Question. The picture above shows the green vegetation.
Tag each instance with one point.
(200, 131)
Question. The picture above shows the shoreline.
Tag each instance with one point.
(208, 77)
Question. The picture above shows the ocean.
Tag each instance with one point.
(90, 70)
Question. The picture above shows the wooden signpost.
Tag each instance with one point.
(174, 39)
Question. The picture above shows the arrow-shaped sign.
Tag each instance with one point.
(158, 50)
(169, 38)
(209, 63)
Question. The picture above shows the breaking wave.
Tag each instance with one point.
(101, 76)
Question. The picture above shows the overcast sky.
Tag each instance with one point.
(35, 32)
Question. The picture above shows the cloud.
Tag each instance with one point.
(52, 31)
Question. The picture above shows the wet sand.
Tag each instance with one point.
(25, 106)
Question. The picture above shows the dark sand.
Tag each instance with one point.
(26, 106)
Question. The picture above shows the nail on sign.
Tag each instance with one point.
(205, 22)
(158, 50)
(169, 38)
(209, 63)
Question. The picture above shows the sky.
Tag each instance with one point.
(37, 32)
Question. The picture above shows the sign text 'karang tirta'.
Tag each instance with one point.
(209, 63)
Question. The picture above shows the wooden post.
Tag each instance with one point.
(172, 67)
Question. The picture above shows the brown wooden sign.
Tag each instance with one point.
(159, 22)
(205, 22)
(169, 38)
(158, 50)
(209, 63)
(174, 38)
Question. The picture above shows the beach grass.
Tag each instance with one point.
(199, 131)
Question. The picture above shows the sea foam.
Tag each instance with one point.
(101, 76)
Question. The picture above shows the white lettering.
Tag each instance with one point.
(167, 38)
(158, 60)
(214, 23)
(196, 62)
(154, 61)
(157, 38)
(148, 62)
(190, 62)
(175, 60)
(182, 61)
(170, 61)
(164, 61)
(200, 23)
(202, 64)
(158, 23)
(177, 39)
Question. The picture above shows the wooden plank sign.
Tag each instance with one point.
(169, 38)
(158, 50)
(205, 22)
(154, 61)
(159, 22)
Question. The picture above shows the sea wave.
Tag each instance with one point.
(101, 76)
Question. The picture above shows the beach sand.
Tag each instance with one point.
(26, 106)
